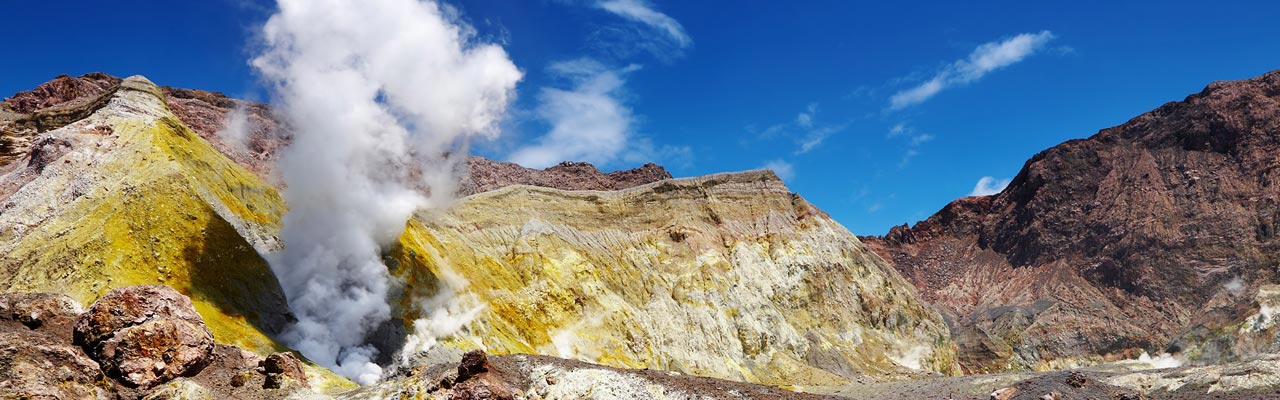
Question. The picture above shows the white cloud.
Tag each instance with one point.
(783, 169)
(898, 129)
(988, 186)
(645, 30)
(816, 136)
(921, 138)
(805, 118)
(984, 59)
(907, 157)
(805, 129)
(641, 11)
(589, 122)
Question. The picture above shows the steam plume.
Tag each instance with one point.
(376, 91)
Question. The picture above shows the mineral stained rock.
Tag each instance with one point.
(1150, 236)
(145, 335)
(128, 195)
(772, 289)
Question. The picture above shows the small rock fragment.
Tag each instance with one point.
(282, 367)
(1004, 394)
(473, 363)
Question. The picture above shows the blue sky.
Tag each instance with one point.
(703, 87)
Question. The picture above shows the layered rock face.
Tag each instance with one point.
(1153, 235)
(729, 276)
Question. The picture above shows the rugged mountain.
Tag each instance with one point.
(1149, 236)
(729, 276)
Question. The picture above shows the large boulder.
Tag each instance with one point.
(145, 335)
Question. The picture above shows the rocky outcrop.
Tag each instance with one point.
(145, 335)
(1105, 247)
(49, 106)
(37, 359)
(135, 342)
(729, 276)
(486, 175)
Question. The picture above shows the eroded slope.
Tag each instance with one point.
(729, 276)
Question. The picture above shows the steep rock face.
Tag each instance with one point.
(1103, 247)
(129, 195)
(729, 276)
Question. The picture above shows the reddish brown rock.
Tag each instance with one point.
(51, 312)
(1104, 247)
(486, 175)
(61, 90)
(156, 351)
(281, 368)
(145, 335)
(130, 306)
(473, 363)
(34, 365)
(49, 106)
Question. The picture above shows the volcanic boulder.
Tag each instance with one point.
(145, 335)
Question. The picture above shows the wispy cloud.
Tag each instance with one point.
(805, 129)
(641, 11)
(984, 59)
(988, 186)
(914, 140)
(783, 169)
(589, 122)
(650, 30)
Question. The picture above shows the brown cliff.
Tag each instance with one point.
(1104, 247)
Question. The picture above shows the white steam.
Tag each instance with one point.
(1164, 360)
(447, 313)
(378, 93)
(235, 129)
(910, 358)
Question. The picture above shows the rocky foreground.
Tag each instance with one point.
(148, 342)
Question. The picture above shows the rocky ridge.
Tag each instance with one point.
(1150, 236)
